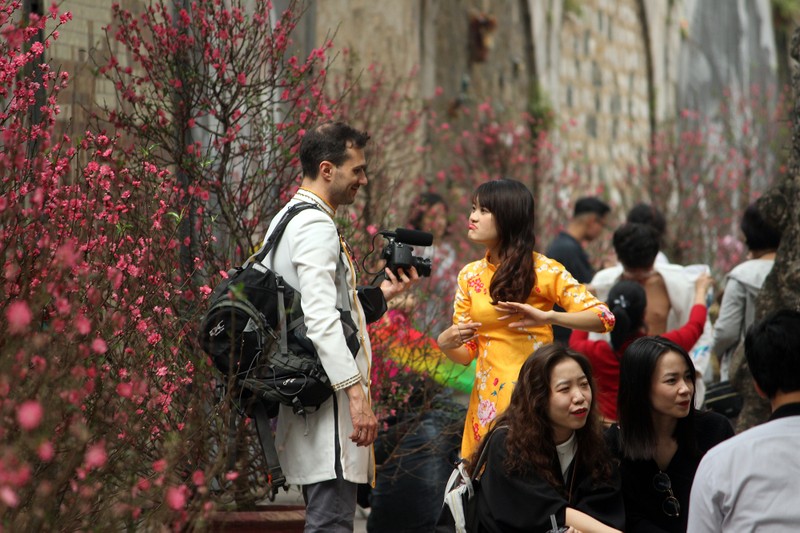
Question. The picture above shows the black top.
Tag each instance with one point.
(643, 503)
(568, 251)
(508, 503)
(788, 409)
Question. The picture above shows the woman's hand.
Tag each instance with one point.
(586, 320)
(701, 285)
(530, 315)
(456, 335)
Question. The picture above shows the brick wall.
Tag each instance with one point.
(80, 48)
(604, 92)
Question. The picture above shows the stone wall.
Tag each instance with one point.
(80, 47)
(590, 65)
(384, 32)
(602, 99)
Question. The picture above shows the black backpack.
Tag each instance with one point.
(255, 333)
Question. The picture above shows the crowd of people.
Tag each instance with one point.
(601, 429)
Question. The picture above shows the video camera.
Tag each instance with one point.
(398, 251)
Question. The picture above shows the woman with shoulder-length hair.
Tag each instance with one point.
(628, 301)
(547, 455)
(511, 278)
(660, 437)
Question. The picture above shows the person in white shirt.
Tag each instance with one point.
(751, 482)
(329, 451)
(670, 290)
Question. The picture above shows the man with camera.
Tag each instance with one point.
(328, 451)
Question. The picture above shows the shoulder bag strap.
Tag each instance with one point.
(476, 472)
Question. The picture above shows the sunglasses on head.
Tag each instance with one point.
(670, 506)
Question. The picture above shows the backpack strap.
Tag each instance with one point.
(273, 239)
(277, 233)
(259, 256)
(275, 477)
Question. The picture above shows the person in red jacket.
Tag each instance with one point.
(628, 301)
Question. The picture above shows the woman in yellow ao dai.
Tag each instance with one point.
(502, 219)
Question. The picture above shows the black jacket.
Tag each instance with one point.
(508, 503)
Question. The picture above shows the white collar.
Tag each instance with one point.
(566, 452)
(305, 195)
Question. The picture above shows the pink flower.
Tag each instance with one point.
(19, 316)
(160, 465)
(176, 497)
(67, 255)
(125, 390)
(46, 452)
(99, 346)
(230, 476)
(95, 456)
(486, 411)
(198, 478)
(29, 415)
(83, 325)
(8, 496)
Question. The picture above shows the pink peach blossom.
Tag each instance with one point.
(82, 324)
(160, 465)
(96, 456)
(19, 316)
(99, 346)
(29, 415)
(46, 451)
(8, 496)
(125, 390)
(176, 497)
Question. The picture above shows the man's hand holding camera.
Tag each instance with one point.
(395, 285)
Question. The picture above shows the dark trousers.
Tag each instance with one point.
(331, 504)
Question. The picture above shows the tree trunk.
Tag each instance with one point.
(780, 206)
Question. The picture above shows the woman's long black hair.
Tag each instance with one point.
(512, 205)
(634, 404)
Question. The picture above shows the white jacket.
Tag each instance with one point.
(309, 257)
